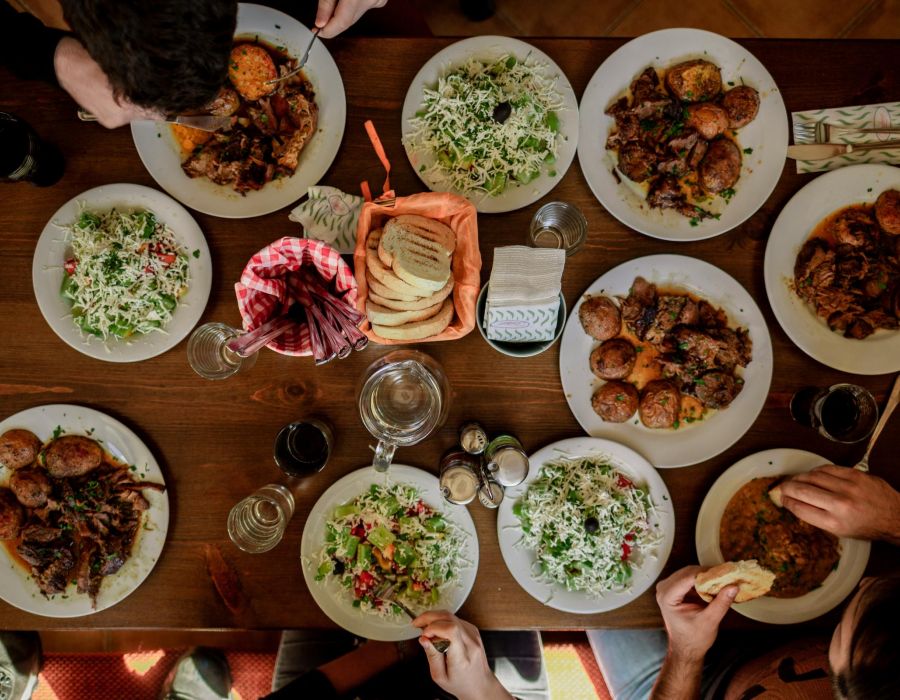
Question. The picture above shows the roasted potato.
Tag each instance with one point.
(694, 81)
(18, 448)
(742, 105)
(249, 68)
(72, 455)
(721, 166)
(708, 119)
(887, 211)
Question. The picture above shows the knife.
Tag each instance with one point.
(820, 151)
(205, 122)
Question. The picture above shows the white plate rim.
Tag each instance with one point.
(123, 443)
(312, 540)
(512, 198)
(610, 79)
(852, 184)
(780, 611)
(49, 256)
(160, 156)
(519, 560)
(660, 446)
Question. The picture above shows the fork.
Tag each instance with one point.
(822, 132)
(893, 400)
(385, 593)
(303, 59)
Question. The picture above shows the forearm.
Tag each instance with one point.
(352, 670)
(679, 678)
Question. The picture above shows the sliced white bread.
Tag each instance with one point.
(752, 580)
(421, 268)
(376, 287)
(418, 329)
(385, 275)
(423, 303)
(427, 228)
(775, 496)
(384, 316)
(398, 236)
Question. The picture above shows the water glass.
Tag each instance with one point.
(257, 523)
(403, 398)
(558, 225)
(208, 352)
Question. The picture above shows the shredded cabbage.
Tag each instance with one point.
(126, 273)
(388, 536)
(587, 523)
(476, 148)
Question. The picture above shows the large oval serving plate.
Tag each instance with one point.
(521, 561)
(52, 250)
(767, 135)
(781, 611)
(161, 154)
(16, 586)
(854, 184)
(487, 48)
(688, 444)
(329, 595)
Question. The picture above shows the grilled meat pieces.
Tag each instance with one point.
(11, 515)
(18, 448)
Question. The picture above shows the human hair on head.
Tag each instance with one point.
(873, 671)
(168, 55)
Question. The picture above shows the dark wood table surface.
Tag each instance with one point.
(214, 440)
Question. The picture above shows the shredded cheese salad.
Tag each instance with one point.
(125, 274)
(588, 524)
(488, 124)
(389, 539)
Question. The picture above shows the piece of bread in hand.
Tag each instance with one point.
(775, 495)
(752, 580)
(418, 329)
(384, 316)
(415, 304)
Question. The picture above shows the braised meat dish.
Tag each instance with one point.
(753, 527)
(270, 126)
(849, 268)
(677, 136)
(673, 359)
(72, 513)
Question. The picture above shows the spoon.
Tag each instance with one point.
(893, 400)
(252, 342)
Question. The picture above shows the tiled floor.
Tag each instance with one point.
(871, 19)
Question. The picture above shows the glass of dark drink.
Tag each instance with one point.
(24, 156)
(842, 412)
(303, 448)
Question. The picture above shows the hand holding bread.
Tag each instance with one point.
(751, 579)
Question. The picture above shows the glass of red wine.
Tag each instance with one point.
(302, 448)
(842, 412)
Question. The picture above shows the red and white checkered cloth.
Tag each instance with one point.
(267, 287)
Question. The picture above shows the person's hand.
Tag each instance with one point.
(463, 671)
(845, 502)
(334, 16)
(692, 626)
(85, 81)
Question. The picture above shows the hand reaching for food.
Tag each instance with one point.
(692, 626)
(845, 502)
(81, 76)
(463, 670)
(336, 16)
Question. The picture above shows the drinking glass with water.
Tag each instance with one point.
(209, 355)
(257, 523)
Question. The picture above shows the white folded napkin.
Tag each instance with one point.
(329, 215)
(523, 294)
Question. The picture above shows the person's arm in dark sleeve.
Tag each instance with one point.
(314, 684)
(26, 45)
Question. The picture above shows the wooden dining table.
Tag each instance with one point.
(214, 439)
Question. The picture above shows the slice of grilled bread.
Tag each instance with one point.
(752, 580)
(418, 329)
(376, 287)
(384, 316)
(397, 235)
(412, 305)
(420, 267)
(386, 276)
(432, 234)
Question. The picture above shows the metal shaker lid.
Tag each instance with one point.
(490, 494)
(459, 484)
(509, 466)
(473, 438)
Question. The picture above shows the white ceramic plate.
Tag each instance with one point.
(161, 154)
(521, 561)
(767, 135)
(780, 611)
(52, 251)
(489, 48)
(16, 588)
(329, 595)
(692, 443)
(854, 184)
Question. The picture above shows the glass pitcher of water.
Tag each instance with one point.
(403, 398)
